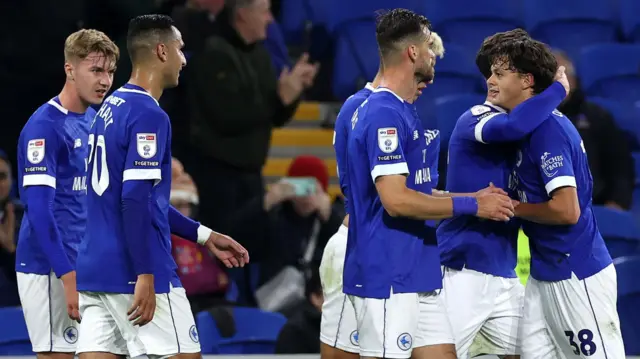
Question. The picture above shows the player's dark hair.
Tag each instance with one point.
(146, 31)
(527, 56)
(397, 26)
(483, 60)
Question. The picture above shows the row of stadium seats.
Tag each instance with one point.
(256, 331)
(571, 25)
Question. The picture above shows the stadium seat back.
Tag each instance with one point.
(636, 166)
(611, 71)
(294, 15)
(447, 111)
(627, 269)
(14, 337)
(470, 33)
(356, 58)
(256, 332)
(629, 11)
(340, 12)
(625, 116)
(616, 224)
(455, 74)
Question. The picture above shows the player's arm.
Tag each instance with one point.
(490, 189)
(40, 149)
(147, 138)
(523, 119)
(385, 139)
(552, 153)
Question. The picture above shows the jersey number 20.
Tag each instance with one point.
(98, 183)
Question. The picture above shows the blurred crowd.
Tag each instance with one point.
(241, 81)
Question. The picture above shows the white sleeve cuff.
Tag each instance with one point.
(142, 174)
(400, 168)
(203, 234)
(39, 180)
(480, 126)
(561, 181)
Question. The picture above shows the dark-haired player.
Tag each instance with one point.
(479, 257)
(387, 264)
(570, 299)
(131, 300)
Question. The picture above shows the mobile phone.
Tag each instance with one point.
(304, 186)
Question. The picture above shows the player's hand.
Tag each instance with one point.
(71, 295)
(144, 301)
(490, 189)
(561, 77)
(227, 250)
(497, 207)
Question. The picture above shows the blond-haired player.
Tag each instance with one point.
(52, 154)
(338, 329)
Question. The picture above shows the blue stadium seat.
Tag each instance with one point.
(636, 160)
(14, 338)
(468, 23)
(627, 269)
(294, 15)
(635, 203)
(256, 332)
(571, 24)
(447, 111)
(611, 71)
(619, 229)
(357, 58)
(626, 117)
(630, 19)
(340, 12)
(455, 74)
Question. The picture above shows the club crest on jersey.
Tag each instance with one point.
(35, 151)
(479, 110)
(388, 139)
(146, 144)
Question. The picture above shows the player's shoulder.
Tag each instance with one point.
(479, 112)
(46, 118)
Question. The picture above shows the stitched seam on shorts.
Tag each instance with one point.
(584, 281)
(175, 330)
(344, 299)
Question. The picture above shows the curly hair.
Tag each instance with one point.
(483, 61)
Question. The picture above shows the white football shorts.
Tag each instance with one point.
(387, 327)
(484, 310)
(338, 327)
(572, 318)
(105, 326)
(433, 321)
(45, 312)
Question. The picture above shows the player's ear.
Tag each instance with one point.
(527, 81)
(161, 52)
(412, 51)
(68, 70)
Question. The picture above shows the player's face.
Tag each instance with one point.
(507, 88)
(5, 180)
(424, 61)
(93, 77)
(175, 59)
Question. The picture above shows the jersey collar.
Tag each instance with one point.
(136, 89)
(369, 86)
(498, 108)
(384, 89)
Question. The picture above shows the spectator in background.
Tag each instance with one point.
(204, 280)
(608, 152)
(235, 99)
(10, 216)
(279, 226)
(301, 333)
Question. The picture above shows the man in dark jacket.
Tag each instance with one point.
(301, 333)
(234, 100)
(607, 150)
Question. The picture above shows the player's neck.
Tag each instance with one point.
(151, 81)
(70, 99)
(401, 82)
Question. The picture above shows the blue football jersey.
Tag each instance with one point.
(551, 158)
(130, 139)
(468, 241)
(52, 151)
(341, 134)
(383, 252)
